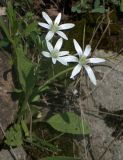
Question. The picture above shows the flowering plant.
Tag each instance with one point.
(83, 61)
(54, 27)
(63, 56)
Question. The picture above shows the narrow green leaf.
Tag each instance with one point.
(4, 28)
(25, 71)
(25, 128)
(69, 122)
(121, 5)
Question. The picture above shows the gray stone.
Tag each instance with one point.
(8, 155)
(109, 91)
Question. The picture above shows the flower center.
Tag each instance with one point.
(82, 60)
(54, 54)
(54, 28)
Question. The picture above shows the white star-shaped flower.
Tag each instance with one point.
(54, 27)
(83, 61)
(55, 53)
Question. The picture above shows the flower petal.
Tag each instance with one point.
(71, 59)
(46, 54)
(49, 35)
(77, 47)
(47, 18)
(58, 19)
(62, 60)
(61, 34)
(49, 46)
(58, 44)
(76, 70)
(90, 74)
(45, 25)
(87, 50)
(54, 60)
(66, 26)
(95, 60)
(63, 53)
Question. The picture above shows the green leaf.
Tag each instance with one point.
(121, 5)
(25, 69)
(96, 3)
(4, 43)
(69, 122)
(100, 9)
(4, 28)
(25, 128)
(59, 158)
(14, 136)
(11, 15)
(30, 28)
(40, 143)
(76, 8)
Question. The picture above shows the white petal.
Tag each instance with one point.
(95, 60)
(54, 60)
(49, 46)
(62, 60)
(87, 50)
(63, 53)
(90, 74)
(49, 35)
(66, 26)
(47, 18)
(58, 44)
(58, 19)
(61, 34)
(77, 47)
(71, 59)
(46, 54)
(45, 25)
(76, 70)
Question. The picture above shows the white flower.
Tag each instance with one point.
(56, 54)
(54, 27)
(83, 61)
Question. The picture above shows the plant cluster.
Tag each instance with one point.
(95, 6)
(28, 46)
(63, 56)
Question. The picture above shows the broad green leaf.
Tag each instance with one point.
(14, 136)
(59, 158)
(69, 122)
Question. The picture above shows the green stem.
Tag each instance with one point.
(54, 77)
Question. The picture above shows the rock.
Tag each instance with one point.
(108, 94)
(8, 108)
(109, 91)
(19, 152)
